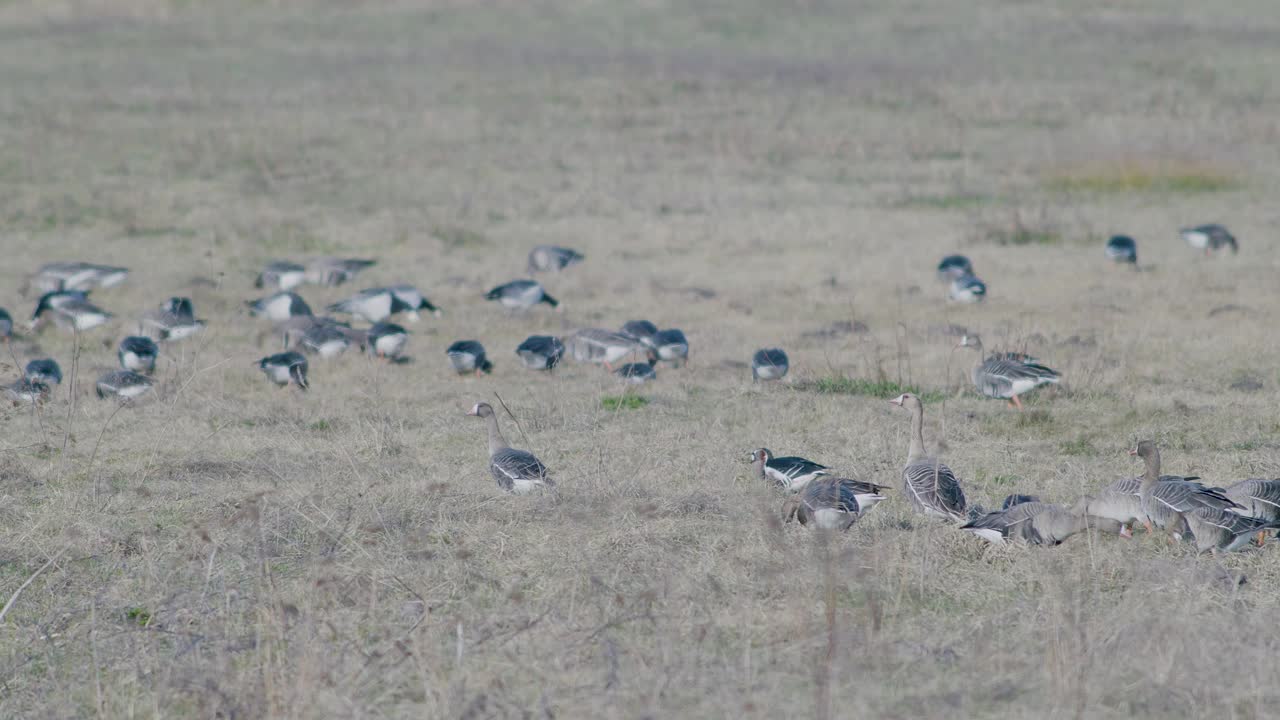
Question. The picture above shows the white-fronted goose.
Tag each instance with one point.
(385, 340)
(1164, 500)
(284, 368)
(642, 330)
(636, 373)
(1122, 249)
(517, 471)
(76, 276)
(1222, 531)
(1034, 523)
(123, 384)
(6, 325)
(521, 295)
(326, 337)
(44, 370)
(669, 346)
(378, 304)
(968, 289)
(1259, 498)
(789, 473)
(541, 352)
(954, 266)
(601, 347)
(1209, 238)
(175, 320)
(832, 503)
(932, 487)
(468, 356)
(1004, 376)
(26, 392)
(138, 354)
(330, 272)
(281, 275)
(769, 364)
(550, 257)
(280, 307)
(69, 309)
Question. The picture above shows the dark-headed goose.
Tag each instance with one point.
(642, 330)
(468, 356)
(123, 384)
(329, 271)
(326, 337)
(832, 503)
(385, 340)
(280, 307)
(669, 346)
(1122, 249)
(174, 320)
(521, 295)
(968, 289)
(69, 309)
(26, 392)
(281, 275)
(541, 352)
(769, 364)
(788, 473)
(6, 325)
(1005, 376)
(44, 370)
(932, 487)
(138, 354)
(636, 373)
(517, 471)
(602, 347)
(954, 266)
(378, 304)
(550, 257)
(284, 368)
(1034, 523)
(1209, 238)
(76, 276)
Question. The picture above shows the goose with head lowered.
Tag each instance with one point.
(1006, 376)
(331, 271)
(26, 392)
(468, 356)
(1259, 498)
(602, 347)
(521, 295)
(43, 370)
(1035, 523)
(1122, 250)
(954, 266)
(637, 373)
(517, 471)
(6, 325)
(384, 340)
(788, 473)
(280, 307)
(769, 364)
(967, 289)
(540, 352)
(284, 368)
(281, 275)
(124, 385)
(138, 354)
(1209, 238)
(832, 503)
(69, 309)
(642, 330)
(931, 486)
(76, 276)
(669, 346)
(1222, 531)
(545, 258)
(378, 304)
(175, 320)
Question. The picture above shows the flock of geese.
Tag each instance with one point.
(1219, 519)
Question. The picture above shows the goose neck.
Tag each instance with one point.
(496, 441)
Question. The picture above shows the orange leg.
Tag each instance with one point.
(1147, 524)
(1017, 403)
(607, 366)
(1262, 538)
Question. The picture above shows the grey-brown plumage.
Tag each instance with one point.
(932, 487)
(331, 271)
(832, 503)
(545, 258)
(1258, 498)
(1164, 501)
(602, 347)
(1221, 531)
(517, 471)
(1007, 375)
(1034, 523)
(1209, 238)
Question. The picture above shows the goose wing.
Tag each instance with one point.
(509, 465)
(935, 488)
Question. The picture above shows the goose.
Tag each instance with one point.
(517, 471)
(669, 346)
(1164, 500)
(550, 257)
(6, 325)
(1003, 376)
(1222, 531)
(769, 364)
(602, 347)
(954, 266)
(281, 275)
(123, 384)
(330, 272)
(280, 307)
(1122, 249)
(636, 373)
(44, 370)
(76, 276)
(1209, 238)
(1121, 500)
(385, 340)
(325, 337)
(832, 503)
(175, 320)
(1259, 499)
(378, 304)
(521, 295)
(541, 352)
(788, 473)
(642, 330)
(968, 289)
(286, 367)
(26, 392)
(69, 309)
(932, 487)
(1034, 523)
(138, 354)
(1017, 499)
(468, 356)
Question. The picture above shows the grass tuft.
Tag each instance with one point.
(455, 236)
(1143, 177)
(623, 402)
(886, 389)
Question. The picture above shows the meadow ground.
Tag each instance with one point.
(755, 173)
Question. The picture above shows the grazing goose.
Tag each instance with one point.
(138, 354)
(330, 272)
(1260, 499)
(517, 471)
(669, 346)
(44, 370)
(1034, 523)
(1223, 531)
(832, 503)
(1017, 499)
(1003, 376)
(1122, 249)
(602, 347)
(1209, 238)
(385, 340)
(123, 385)
(281, 275)
(6, 325)
(326, 337)
(26, 392)
(521, 295)
(280, 307)
(467, 356)
(56, 277)
(968, 289)
(932, 487)
(378, 304)
(954, 266)
(284, 368)
(642, 330)
(788, 473)
(69, 309)
(769, 364)
(175, 320)
(1164, 500)
(549, 257)
(636, 373)
(541, 352)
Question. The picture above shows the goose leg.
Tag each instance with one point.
(1146, 523)
(1017, 402)
(607, 366)
(479, 372)
(1262, 538)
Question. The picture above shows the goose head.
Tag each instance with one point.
(907, 400)
(482, 410)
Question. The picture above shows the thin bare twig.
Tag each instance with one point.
(14, 598)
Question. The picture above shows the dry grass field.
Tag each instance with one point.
(755, 173)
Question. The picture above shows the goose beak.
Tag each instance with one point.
(1133, 451)
(896, 401)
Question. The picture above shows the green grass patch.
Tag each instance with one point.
(623, 402)
(1142, 177)
(138, 616)
(1079, 446)
(886, 389)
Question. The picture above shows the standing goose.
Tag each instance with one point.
(1034, 523)
(138, 354)
(954, 266)
(280, 307)
(26, 392)
(44, 370)
(175, 320)
(602, 347)
(789, 473)
(637, 373)
(284, 368)
(669, 346)
(1209, 238)
(642, 330)
(69, 309)
(281, 275)
(521, 295)
(468, 356)
(330, 272)
(550, 257)
(968, 289)
(378, 304)
(832, 503)
(60, 276)
(769, 364)
(517, 471)
(1165, 500)
(1006, 376)
(932, 487)
(541, 352)
(1222, 531)
(123, 385)
(1122, 249)
(6, 325)
(385, 340)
